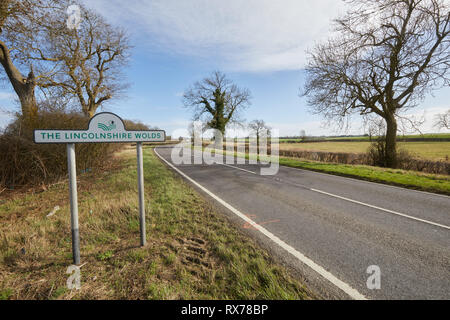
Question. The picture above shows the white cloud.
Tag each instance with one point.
(5, 119)
(5, 115)
(318, 128)
(250, 35)
(312, 128)
(7, 96)
(428, 116)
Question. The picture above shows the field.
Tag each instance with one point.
(192, 251)
(426, 136)
(424, 149)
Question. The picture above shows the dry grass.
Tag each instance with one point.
(192, 252)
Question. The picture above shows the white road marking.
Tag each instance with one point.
(227, 165)
(353, 293)
(382, 209)
(365, 181)
(362, 203)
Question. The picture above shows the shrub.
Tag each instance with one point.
(25, 163)
(405, 161)
(373, 157)
(377, 153)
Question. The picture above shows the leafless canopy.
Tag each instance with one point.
(217, 100)
(386, 55)
(442, 120)
(258, 126)
(84, 63)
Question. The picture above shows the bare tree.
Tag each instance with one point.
(84, 63)
(442, 120)
(216, 99)
(11, 12)
(387, 55)
(259, 127)
(91, 59)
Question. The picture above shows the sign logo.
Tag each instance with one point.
(108, 127)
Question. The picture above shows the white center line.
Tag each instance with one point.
(382, 209)
(227, 165)
(353, 293)
(359, 202)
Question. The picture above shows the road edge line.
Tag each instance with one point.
(353, 293)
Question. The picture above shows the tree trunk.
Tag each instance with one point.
(257, 143)
(91, 113)
(89, 110)
(23, 86)
(391, 142)
(221, 127)
(28, 101)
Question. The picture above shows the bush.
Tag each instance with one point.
(135, 125)
(377, 153)
(373, 157)
(405, 161)
(24, 163)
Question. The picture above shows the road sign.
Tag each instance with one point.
(104, 127)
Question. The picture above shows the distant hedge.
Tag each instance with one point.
(406, 162)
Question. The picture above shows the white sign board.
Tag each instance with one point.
(103, 127)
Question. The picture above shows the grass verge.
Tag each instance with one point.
(192, 252)
(403, 178)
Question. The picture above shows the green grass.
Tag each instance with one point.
(192, 252)
(403, 178)
(6, 293)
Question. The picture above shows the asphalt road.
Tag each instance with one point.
(330, 229)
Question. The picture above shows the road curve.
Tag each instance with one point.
(330, 229)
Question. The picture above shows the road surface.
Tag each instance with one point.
(330, 229)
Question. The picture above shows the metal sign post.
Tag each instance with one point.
(104, 127)
(140, 173)
(72, 168)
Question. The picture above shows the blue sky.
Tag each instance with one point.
(259, 44)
